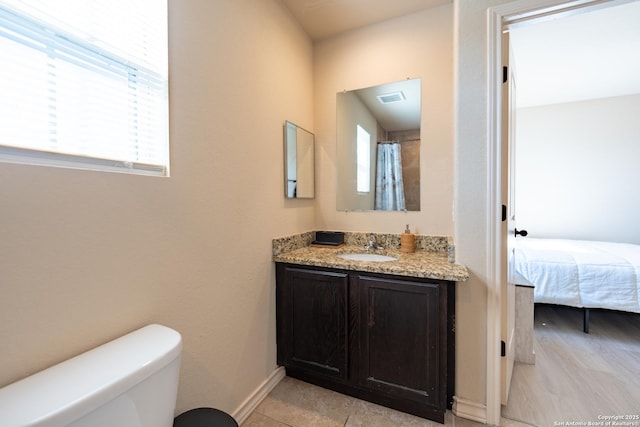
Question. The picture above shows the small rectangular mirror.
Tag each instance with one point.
(299, 160)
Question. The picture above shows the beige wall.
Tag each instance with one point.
(416, 46)
(421, 45)
(88, 256)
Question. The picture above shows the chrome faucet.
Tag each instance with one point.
(373, 244)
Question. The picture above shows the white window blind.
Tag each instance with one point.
(83, 83)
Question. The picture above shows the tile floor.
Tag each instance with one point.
(576, 376)
(295, 403)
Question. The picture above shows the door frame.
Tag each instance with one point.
(498, 18)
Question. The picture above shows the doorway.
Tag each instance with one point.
(506, 16)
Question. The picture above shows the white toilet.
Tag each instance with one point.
(131, 381)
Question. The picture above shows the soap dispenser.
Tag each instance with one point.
(407, 241)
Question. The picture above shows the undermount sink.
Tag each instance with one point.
(367, 257)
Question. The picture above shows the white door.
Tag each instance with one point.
(508, 219)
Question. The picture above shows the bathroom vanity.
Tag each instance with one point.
(379, 331)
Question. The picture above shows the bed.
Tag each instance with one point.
(580, 273)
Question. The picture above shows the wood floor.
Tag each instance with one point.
(579, 378)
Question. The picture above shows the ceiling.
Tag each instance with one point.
(322, 19)
(587, 55)
(402, 115)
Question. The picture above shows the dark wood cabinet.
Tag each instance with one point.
(400, 331)
(315, 324)
(382, 338)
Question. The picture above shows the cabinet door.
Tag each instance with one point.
(316, 321)
(400, 336)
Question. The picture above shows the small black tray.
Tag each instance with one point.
(329, 238)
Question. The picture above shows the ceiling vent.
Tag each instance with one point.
(388, 98)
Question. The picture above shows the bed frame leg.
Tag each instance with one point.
(585, 320)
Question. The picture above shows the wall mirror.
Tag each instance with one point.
(299, 169)
(378, 147)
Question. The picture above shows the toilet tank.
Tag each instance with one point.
(131, 381)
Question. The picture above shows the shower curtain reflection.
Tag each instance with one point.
(389, 183)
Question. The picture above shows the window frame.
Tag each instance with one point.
(99, 60)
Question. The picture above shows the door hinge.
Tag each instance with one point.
(504, 212)
(505, 74)
(503, 349)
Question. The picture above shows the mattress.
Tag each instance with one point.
(580, 273)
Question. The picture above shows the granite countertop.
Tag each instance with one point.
(422, 263)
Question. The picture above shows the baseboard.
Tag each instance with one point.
(469, 410)
(245, 409)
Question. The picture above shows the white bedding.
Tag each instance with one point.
(580, 273)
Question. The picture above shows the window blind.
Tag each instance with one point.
(84, 84)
